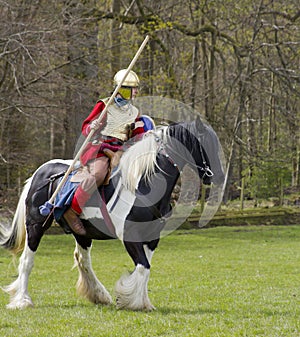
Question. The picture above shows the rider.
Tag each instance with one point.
(112, 132)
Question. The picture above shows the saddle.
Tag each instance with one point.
(64, 198)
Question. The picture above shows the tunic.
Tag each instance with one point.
(115, 127)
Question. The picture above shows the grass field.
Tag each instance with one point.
(225, 281)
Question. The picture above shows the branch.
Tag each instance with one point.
(3, 159)
(24, 86)
(284, 15)
(155, 23)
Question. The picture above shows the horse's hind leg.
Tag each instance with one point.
(88, 285)
(18, 290)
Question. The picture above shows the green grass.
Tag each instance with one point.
(238, 281)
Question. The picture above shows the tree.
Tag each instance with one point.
(235, 62)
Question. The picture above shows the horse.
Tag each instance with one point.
(137, 200)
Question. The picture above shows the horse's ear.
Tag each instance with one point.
(199, 124)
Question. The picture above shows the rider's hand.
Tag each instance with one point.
(96, 124)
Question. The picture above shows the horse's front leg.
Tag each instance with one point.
(132, 290)
(88, 285)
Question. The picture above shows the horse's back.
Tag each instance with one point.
(43, 184)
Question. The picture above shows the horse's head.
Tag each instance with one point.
(197, 144)
(210, 144)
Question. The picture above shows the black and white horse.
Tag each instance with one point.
(138, 204)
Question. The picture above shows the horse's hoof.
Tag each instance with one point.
(149, 308)
(23, 304)
(146, 307)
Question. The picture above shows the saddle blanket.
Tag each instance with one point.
(64, 197)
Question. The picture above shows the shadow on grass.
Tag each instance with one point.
(185, 311)
(112, 308)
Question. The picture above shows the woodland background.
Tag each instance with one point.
(236, 62)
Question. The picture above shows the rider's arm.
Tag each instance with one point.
(86, 125)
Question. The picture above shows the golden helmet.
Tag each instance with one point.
(131, 79)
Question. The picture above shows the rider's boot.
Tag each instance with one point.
(73, 221)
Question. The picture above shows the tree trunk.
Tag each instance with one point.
(115, 39)
(271, 116)
(205, 74)
(195, 68)
(52, 136)
(211, 75)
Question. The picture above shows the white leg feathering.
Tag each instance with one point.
(132, 290)
(88, 285)
(18, 290)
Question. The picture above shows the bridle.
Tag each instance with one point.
(162, 149)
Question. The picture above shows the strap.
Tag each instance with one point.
(106, 216)
(51, 179)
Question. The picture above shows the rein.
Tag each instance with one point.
(50, 181)
(162, 150)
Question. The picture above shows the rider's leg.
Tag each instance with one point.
(97, 171)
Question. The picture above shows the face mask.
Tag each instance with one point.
(125, 92)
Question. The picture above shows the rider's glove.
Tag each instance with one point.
(96, 124)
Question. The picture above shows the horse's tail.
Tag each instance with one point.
(13, 237)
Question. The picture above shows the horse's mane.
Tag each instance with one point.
(180, 138)
(182, 131)
(139, 160)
